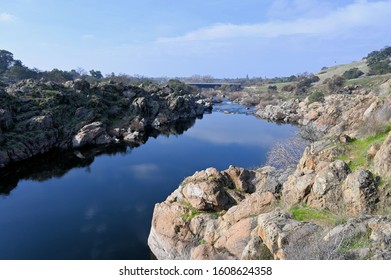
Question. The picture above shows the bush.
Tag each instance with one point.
(272, 88)
(286, 154)
(305, 83)
(352, 73)
(335, 83)
(316, 96)
(379, 61)
(288, 88)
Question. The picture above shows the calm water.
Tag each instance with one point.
(100, 207)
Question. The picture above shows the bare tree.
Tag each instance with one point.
(286, 154)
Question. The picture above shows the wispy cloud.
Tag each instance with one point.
(357, 15)
(7, 17)
(88, 37)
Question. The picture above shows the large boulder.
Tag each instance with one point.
(205, 190)
(255, 204)
(234, 239)
(278, 231)
(382, 159)
(93, 133)
(78, 85)
(327, 191)
(297, 187)
(359, 192)
(170, 236)
(39, 122)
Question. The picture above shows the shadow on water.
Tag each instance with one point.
(57, 163)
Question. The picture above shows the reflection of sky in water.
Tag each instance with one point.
(240, 129)
(104, 211)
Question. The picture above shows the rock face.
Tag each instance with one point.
(38, 116)
(209, 217)
(94, 133)
(360, 192)
(255, 214)
(382, 159)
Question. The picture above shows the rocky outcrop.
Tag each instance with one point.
(339, 113)
(94, 133)
(39, 116)
(382, 159)
(250, 214)
(212, 214)
(234, 214)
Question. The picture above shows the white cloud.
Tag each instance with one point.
(88, 37)
(7, 17)
(144, 169)
(357, 15)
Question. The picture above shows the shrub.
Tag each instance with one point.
(272, 88)
(316, 96)
(288, 88)
(304, 84)
(286, 154)
(352, 73)
(335, 83)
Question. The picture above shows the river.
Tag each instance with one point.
(94, 205)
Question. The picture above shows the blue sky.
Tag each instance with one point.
(230, 38)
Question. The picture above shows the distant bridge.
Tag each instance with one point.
(214, 85)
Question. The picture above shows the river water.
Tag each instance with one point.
(94, 205)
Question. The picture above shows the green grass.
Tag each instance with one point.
(192, 212)
(338, 70)
(305, 213)
(369, 81)
(358, 241)
(356, 151)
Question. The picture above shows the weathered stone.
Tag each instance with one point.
(310, 117)
(267, 179)
(242, 178)
(235, 238)
(297, 188)
(170, 236)
(78, 85)
(93, 133)
(343, 138)
(208, 252)
(359, 192)
(40, 122)
(205, 190)
(382, 159)
(373, 149)
(252, 206)
(327, 191)
(277, 230)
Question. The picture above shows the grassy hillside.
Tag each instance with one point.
(338, 70)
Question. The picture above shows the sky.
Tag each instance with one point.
(167, 38)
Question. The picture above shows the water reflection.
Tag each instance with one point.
(244, 130)
(102, 208)
(56, 164)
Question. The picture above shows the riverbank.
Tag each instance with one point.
(336, 204)
(38, 116)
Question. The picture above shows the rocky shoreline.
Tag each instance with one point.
(330, 207)
(39, 116)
